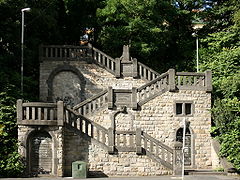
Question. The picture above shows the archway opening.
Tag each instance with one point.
(187, 151)
(40, 154)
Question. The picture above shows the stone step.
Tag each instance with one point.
(203, 172)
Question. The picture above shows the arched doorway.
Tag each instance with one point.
(188, 145)
(40, 160)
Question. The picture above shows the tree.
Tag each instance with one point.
(158, 32)
(221, 54)
(11, 164)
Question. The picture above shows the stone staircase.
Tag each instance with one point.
(77, 119)
(120, 141)
(109, 139)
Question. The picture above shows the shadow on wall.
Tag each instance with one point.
(68, 84)
(77, 148)
(40, 153)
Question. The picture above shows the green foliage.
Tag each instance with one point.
(230, 146)
(221, 54)
(11, 164)
(158, 32)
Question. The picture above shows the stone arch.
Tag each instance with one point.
(189, 143)
(40, 158)
(65, 68)
(119, 116)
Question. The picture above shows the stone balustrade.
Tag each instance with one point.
(104, 60)
(125, 141)
(92, 104)
(86, 127)
(146, 72)
(158, 151)
(37, 113)
(152, 89)
(64, 52)
(194, 81)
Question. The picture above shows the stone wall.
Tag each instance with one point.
(66, 83)
(100, 163)
(158, 119)
(40, 159)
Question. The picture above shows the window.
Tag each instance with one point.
(188, 108)
(183, 108)
(179, 108)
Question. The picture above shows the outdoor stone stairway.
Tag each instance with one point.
(120, 141)
(77, 118)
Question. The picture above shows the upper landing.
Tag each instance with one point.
(76, 73)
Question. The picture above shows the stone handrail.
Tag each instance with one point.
(37, 113)
(66, 52)
(172, 81)
(104, 60)
(146, 72)
(158, 151)
(125, 141)
(92, 104)
(152, 89)
(194, 81)
(86, 127)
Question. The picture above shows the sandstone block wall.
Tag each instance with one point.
(42, 159)
(100, 163)
(66, 84)
(158, 119)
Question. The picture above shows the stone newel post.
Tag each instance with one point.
(177, 158)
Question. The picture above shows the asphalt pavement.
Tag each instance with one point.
(188, 177)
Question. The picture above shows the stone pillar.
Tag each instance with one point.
(138, 141)
(60, 113)
(208, 80)
(19, 111)
(177, 158)
(125, 65)
(134, 98)
(59, 161)
(111, 141)
(110, 97)
(135, 68)
(171, 79)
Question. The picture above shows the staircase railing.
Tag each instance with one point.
(146, 72)
(104, 60)
(67, 52)
(122, 141)
(92, 104)
(158, 151)
(86, 127)
(38, 113)
(194, 81)
(125, 141)
(152, 89)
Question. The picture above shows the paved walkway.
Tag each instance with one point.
(195, 177)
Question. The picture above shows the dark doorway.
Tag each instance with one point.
(179, 138)
(40, 153)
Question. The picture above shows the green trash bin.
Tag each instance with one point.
(79, 169)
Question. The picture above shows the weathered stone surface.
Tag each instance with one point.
(157, 118)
